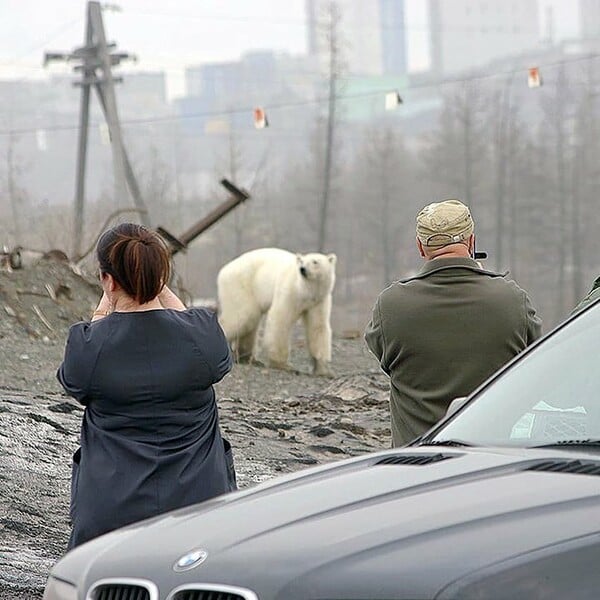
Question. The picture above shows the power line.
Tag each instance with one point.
(305, 102)
(64, 27)
(40, 44)
(157, 69)
(258, 19)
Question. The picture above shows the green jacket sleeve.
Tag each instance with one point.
(534, 322)
(374, 337)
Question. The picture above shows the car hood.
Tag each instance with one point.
(358, 526)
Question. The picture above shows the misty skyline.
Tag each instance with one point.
(170, 37)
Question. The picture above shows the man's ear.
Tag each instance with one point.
(420, 247)
(472, 245)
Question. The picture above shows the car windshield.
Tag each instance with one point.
(550, 396)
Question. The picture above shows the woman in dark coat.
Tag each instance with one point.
(144, 369)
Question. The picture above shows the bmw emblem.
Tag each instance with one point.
(190, 560)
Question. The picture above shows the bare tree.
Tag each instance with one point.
(516, 143)
(332, 35)
(301, 182)
(235, 158)
(157, 184)
(501, 155)
(555, 137)
(509, 141)
(230, 163)
(457, 151)
(585, 174)
(17, 197)
(385, 206)
(561, 172)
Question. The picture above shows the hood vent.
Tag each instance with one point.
(205, 595)
(417, 460)
(580, 467)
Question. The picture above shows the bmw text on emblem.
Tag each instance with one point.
(190, 560)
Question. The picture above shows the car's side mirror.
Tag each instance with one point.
(455, 405)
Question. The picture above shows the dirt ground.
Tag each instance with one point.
(276, 421)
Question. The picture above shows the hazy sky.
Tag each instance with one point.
(169, 35)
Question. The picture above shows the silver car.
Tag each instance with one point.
(500, 500)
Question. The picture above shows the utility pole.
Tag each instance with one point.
(333, 47)
(95, 61)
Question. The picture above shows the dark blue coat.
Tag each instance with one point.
(150, 438)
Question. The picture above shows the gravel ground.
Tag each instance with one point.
(277, 421)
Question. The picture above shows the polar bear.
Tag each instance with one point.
(283, 286)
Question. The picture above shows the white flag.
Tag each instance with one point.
(534, 79)
(392, 100)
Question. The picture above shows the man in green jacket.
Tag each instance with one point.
(440, 334)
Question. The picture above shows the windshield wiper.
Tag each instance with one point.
(571, 444)
(445, 443)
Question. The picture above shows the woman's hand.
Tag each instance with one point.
(103, 309)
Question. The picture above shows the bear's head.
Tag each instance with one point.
(317, 267)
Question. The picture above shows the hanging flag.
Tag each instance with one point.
(260, 118)
(392, 100)
(534, 79)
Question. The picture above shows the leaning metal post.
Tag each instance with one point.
(238, 195)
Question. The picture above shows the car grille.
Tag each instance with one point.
(418, 460)
(579, 467)
(205, 591)
(123, 590)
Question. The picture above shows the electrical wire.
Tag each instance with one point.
(60, 30)
(304, 102)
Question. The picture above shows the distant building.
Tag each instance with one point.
(256, 77)
(589, 17)
(372, 35)
(23, 99)
(469, 33)
(393, 37)
(216, 91)
(142, 94)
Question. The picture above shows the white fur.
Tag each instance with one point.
(269, 281)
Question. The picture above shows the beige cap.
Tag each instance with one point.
(443, 223)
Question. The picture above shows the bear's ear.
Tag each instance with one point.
(332, 258)
(298, 258)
